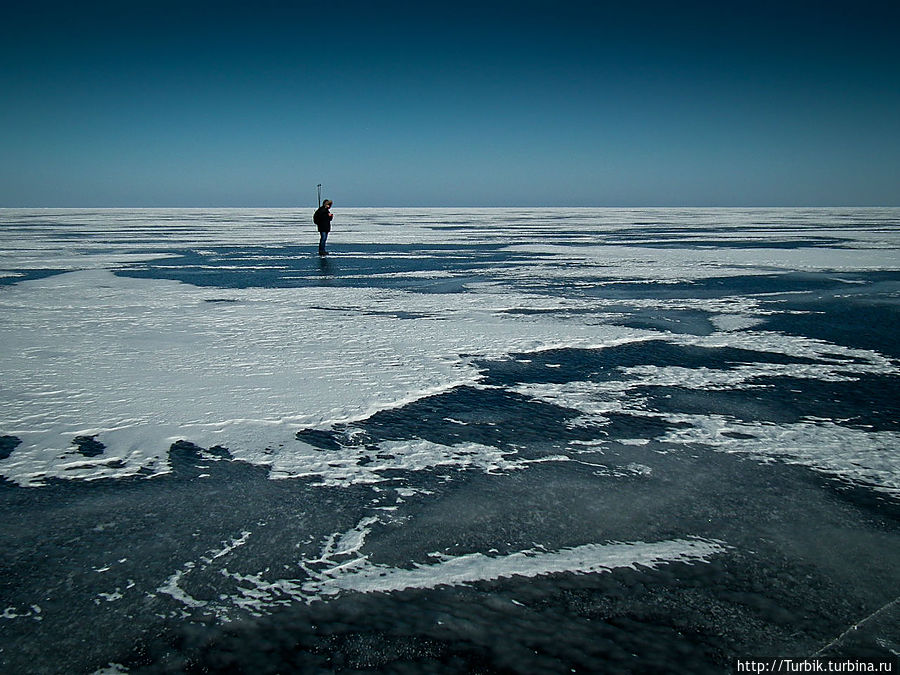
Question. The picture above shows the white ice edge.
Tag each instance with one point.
(474, 567)
(861, 457)
(342, 567)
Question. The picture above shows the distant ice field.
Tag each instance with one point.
(218, 326)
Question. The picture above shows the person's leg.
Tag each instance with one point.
(323, 236)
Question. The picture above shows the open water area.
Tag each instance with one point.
(466, 441)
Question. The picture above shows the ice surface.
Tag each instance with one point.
(361, 575)
(340, 566)
(862, 457)
(474, 567)
(142, 363)
(490, 395)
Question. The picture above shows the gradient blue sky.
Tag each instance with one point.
(138, 103)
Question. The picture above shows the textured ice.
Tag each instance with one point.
(861, 457)
(202, 421)
(344, 468)
(341, 566)
(141, 363)
(361, 575)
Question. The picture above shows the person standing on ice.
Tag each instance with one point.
(322, 219)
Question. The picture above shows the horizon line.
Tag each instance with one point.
(471, 206)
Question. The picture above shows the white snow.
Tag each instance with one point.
(141, 363)
(867, 457)
(341, 566)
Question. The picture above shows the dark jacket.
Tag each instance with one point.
(322, 219)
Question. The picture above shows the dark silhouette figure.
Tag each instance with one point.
(322, 218)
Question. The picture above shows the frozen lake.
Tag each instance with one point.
(469, 440)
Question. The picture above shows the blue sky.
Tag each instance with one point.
(531, 103)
